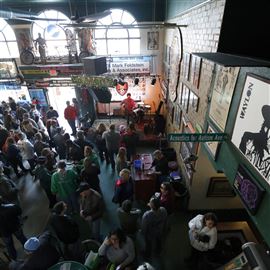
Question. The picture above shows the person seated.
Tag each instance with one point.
(123, 187)
(118, 249)
(129, 218)
(41, 253)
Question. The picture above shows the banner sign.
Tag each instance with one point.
(197, 137)
(40, 72)
(129, 67)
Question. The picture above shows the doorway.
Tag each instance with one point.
(58, 96)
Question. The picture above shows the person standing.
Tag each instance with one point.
(42, 174)
(128, 104)
(202, 236)
(64, 185)
(51, 113)
(91, 208)
(112, 139)
(123, 187)
(70, 115)
(153, 225)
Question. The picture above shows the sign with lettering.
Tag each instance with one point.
(197, 137)
(129, 67)
(252, 126)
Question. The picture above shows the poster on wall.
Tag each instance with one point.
(175, 58)
(252, 126)
(195, 70)
(250, 191)
(223, 89)
(153, 40)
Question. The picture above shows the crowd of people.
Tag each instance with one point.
(68, 170)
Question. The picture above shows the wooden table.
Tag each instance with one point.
(144, 180)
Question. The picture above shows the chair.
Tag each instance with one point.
(71, 265)
(91, 245)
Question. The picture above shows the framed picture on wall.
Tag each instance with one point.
(212, 147)
(193, 102)
(185, 98)
(252, 126)
(195, 70)
(153, 40)
(177, 115)
(186, 65)
(223, 88)
(249, 190)
(220, 187)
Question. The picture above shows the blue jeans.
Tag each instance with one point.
(111, 157)
(8, 240)
(72, 203)
(73, 126)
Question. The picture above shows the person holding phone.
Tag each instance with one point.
(117, 248)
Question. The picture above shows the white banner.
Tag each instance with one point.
(129, 67)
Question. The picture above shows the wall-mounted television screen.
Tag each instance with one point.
(249, 190)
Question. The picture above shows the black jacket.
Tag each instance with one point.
(44, 257)
(66, 229)
(9, 219)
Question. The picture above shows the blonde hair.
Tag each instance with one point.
(122, 154)
(101, 127)
(125, 174)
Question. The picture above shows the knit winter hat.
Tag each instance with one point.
(31, 244)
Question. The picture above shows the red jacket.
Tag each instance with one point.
(70, 113)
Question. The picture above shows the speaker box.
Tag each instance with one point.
(94, 65)
(101, 95)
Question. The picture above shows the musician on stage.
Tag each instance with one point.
(128, 104)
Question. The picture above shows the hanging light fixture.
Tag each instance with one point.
(153, 82)
(136, 81)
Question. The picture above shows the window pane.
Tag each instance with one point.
(134, 32)
(4, 53)
(53, 33)
(13, 48)
(56, 48)
(2, 37)
(117, 15)
(120, 33)
(106, 21)
(117, 47)
(127, 18)
(100, 33)
(134, 45)
(2, 24)
(101, 47)
(9, 33)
